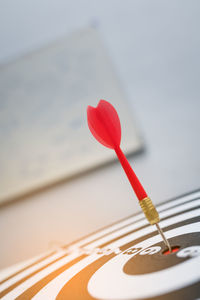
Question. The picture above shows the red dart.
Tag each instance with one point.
(104, 124)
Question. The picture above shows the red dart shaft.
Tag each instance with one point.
(134, 181)
(145, 202)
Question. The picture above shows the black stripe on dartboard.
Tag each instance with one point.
(134, 222)
(14, 285)
(32, 291)
(76, 288)
(133, 215)
(142, 218)
(28, 266)
(145, 226)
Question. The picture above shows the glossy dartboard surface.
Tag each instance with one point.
(121, 262)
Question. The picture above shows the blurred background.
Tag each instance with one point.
(57, 184)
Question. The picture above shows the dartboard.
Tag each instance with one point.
(126, 260)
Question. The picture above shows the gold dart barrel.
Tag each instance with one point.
(153, 217)
(149, 210)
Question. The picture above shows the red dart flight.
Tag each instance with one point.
(104, 124)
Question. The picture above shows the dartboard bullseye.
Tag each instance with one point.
(126, 260)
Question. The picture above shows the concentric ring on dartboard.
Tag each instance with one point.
(151, 258)
(58, 275)
(167, 277)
